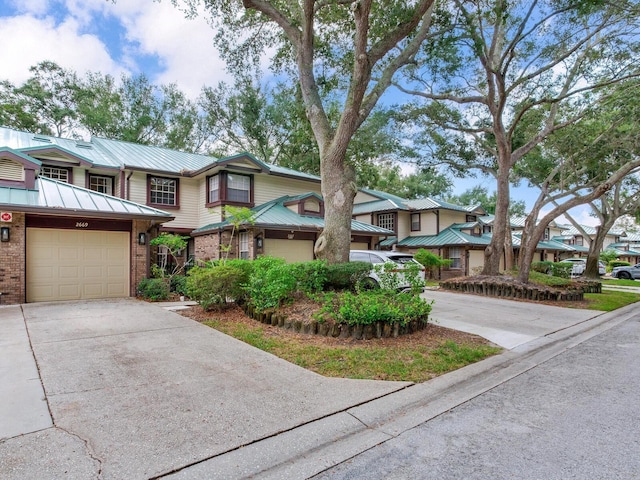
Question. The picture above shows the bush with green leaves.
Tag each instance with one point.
(430, 261)
(608, 256)
(346, 276)
(311, 277)
(271, 284)
(385, 306)
(154, 289)
(218, 285)
(178, 284)
(542, 267)
(618, 263)
(392, 278)
(561, 269)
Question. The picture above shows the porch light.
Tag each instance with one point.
(258, 242)
(5, 234)
(142, 238)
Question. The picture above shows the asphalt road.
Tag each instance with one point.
(575, 416)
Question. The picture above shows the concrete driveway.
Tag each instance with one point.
(136, 391)
(126, 389)
(508, 323)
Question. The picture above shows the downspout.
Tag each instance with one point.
(128, 186)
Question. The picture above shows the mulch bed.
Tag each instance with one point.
(432, 336)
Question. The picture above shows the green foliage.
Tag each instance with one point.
(178, 284)
(562, 270)
(346, 276)
(174, 245)
(373, 306)
(310, 276)
(618, 263)
(217, 285)
(154, 289)
(430, 261)
(542, 267)
(608, 256)
(393, 278)
(271, 283)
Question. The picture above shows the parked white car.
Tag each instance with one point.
(579, 265)
(377, 258)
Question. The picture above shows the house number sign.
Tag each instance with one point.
(82, 224)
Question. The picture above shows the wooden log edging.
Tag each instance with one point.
(496, 288)
(336, 330)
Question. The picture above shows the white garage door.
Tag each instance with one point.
(76, 264)
(290, 250)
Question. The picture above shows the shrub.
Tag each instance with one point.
(346, 276)
(178, 284)
(430, 261)
(154, 289)
(618, 263)
(310, 276)
(562, 270)
(271, 284)
(542, 267)
(217, 285)
(381, 306)
(392, 278)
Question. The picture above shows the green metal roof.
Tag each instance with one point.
(377, 206)
(103, 152)
(275, 214)
(447, 237)
(389, 242)
(51, 196)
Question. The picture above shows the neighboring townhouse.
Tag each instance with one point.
(451, 231)
(65, 187)
(626, 247)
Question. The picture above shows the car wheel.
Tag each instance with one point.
(369, 284)
(624, 275)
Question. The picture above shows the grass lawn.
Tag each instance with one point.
(620, 283)
(610, 300)
(416, 358)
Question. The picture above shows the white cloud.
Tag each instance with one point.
(28, 40)
(183, 48)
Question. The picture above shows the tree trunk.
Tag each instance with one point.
(591, 271)
(495, 249)
(530, 238)
(338, 190)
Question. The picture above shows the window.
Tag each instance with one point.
(454, 256)
(471, 218)
(244, 245)
(228, 187)
(486, 229)
(546, 234)
(163, 191)
(387, 220)
(579, 240)
(214, 188)
(56, 173)
(101, 184)
(415, 222)
(238, 188)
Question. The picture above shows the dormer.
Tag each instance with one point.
(57, 162)
(17, 169)
(310, 205)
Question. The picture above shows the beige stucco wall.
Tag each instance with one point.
(476, 261)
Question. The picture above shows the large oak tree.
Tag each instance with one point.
(347, 49)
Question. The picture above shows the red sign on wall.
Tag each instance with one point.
(6, 216)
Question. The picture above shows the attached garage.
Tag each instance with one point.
(291, 250)
(65, 264)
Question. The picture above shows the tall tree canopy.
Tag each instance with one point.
(344, 49)
(502, 63)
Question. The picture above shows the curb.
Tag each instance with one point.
(317, 446)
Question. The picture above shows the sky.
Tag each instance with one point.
(131, 37)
